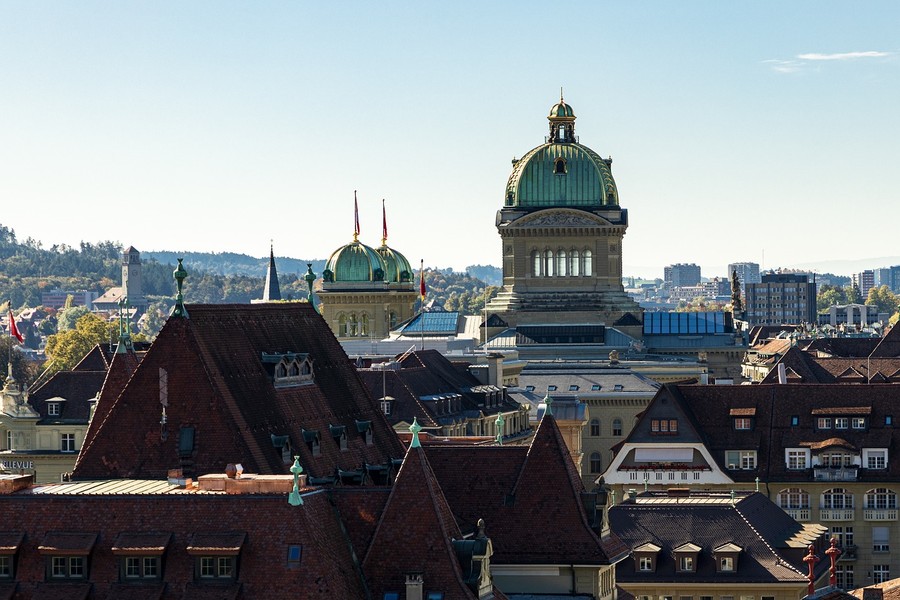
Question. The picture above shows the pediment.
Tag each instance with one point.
(560, 218)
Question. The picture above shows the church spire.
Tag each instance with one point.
(271, 291)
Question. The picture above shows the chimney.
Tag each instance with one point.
(414, 584)
(495, 369)
(782, 373)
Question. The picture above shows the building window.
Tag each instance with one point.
(536, 263)
(6, 566)
(142, 567)
(551, 388)
(844, 574)
(686, 563)
(588, 269)
(881, 540)
(216, 567)
(548, 263)
(559, 165)
(573, 388)
(843, 535)
(596, 463)
(876, 458)
(859, 422)
(881, 573)
(841, 423)
(888, 420)
(295, 551)
(792, 498)
(67, 567)
(881, 499)
(673, 425)
(823, 423)
(53, 409)
(645, 563)
(837, 498)
(574, 263)
(561, 263)
(67, 442)
(741, 459)
(726, 564)
(595, 427)
(617, 427)
(795, 420)
(797, 459)
(386, 407)
(9, 440)
(743, 423)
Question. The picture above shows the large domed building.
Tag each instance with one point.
(561, 228)
(366, 291)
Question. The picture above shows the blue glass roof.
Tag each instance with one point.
(686, 323)
(434, 323)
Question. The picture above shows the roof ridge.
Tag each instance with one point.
(778, 558)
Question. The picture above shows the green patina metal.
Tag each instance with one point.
(294, 498)
(561, 172)
(499, 423)
(180, 274)
(396, 267)
(414, 429)
(355, 262)
(548, 401)
(310, 277)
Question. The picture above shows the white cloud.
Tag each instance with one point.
(844, 55)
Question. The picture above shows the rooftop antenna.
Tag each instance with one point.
(355, 218)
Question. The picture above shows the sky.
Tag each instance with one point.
(739, 131)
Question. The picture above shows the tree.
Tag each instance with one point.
(829, 295)
(23, 371)
(883, 299)
(68, 317)
(68, 347)
(853, 294)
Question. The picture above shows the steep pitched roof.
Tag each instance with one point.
(414, 535)
(889, 346)
(210, 371)
(497, 483)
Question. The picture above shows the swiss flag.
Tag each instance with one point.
(13, 330)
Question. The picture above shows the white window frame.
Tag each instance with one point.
(800, 454)
(875, 458)
(841, 423)
(858, 423)
(823, 423)
(53, 409)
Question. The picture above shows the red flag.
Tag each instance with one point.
(422, 280)
(355, 217)
(14, 331)
(383, 223)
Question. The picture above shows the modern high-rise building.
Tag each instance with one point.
(781, 298)
(681, 275)
(747, 272)
(865, 281)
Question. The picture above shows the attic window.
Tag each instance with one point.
(283, 444)
(53, 409)
(559, 165)
(295, 551)
(595, 387)
(573, 388)
(365, 428)
(311, 438)
(339, 433)
(529, 388)
(289, 368)
(185, 441)
(551, 388)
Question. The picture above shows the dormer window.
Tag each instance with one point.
(686, 557)
(859, 422)
(365, 428)
(726, 557)
(140, 555)
(743, 423)
(289, 368)
(645, 557)
(216, 556)
(559, 165)
(311, 439)
(283, 444)
(339, 433)
(53, 409)
(823, 423)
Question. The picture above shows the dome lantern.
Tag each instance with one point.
(562, 122)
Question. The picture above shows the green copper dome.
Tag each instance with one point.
(396, 267)
(354, 262)
(561, 172)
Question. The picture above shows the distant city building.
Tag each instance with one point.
(882, 276)
(682, 274)
(865, 281)
(849, 314)
(781, 298)
(57, 298)
(271, 289)
(747, 272)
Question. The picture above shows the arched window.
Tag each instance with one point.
(393, 319)
(561, 133)
(364, 326)
(293, 369)
(559, 166)
(595, 427)
(536, 263)
(588, 269)
(561, 265)
(342, 325)
(280, 370)
(574, 264)
(354, 325)
(793, 498)
(596, 463)
(881, 498)
(617, 427)
(837, 498)
(548, 263)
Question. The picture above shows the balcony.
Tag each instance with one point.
(835, 474)
(837, 514)
(798, 514)
(880, 514)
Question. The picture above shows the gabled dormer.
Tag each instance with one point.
(686, 556)
(646, 557)
(726, 557)
(289, 368)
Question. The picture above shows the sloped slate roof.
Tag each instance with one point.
(217, 384)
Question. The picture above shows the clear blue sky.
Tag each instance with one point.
(738, 129)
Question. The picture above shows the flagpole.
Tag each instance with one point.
(422, 294)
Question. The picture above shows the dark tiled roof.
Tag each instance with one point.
(414, 535)
(61, 591)
(132, 591)
(77, 387)
(889, 346)
(129, 542)
(755, 524)
(498, 483)
(10, 541)
(218, 384)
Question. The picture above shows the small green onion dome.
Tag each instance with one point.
(396, 267)
(355, 262)
(561, 109)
